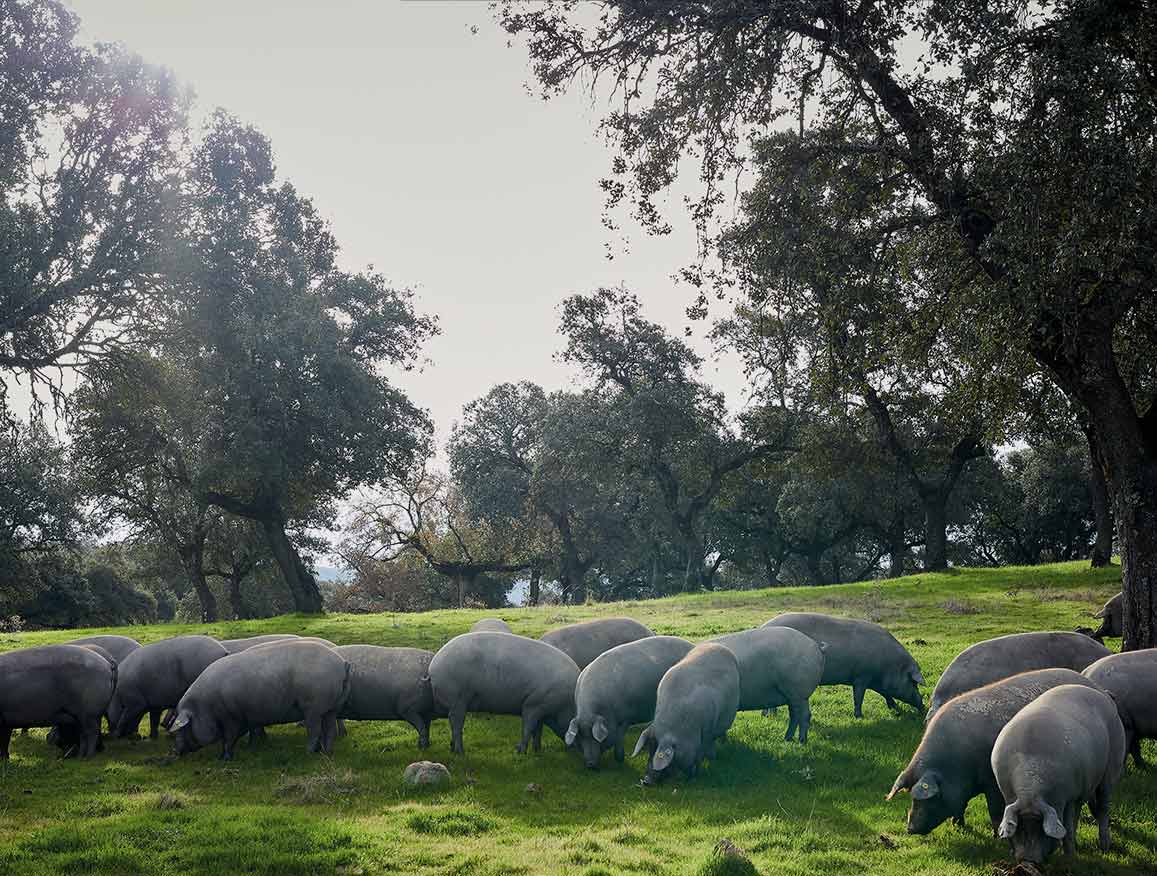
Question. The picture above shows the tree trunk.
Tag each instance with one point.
(302, 586)
(897, 545)
(535, 593)
(235, 600)
(935, 532)
(771, 566)
(815, 568)
(695, 574)
(193, 560)
(1102, 510)
(1086, 368)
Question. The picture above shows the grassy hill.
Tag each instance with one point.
(819, 809)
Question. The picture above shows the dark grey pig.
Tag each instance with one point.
(389, 684)
(617, 690)
(587, 640)
(994, 659)
(66, 737)
(1131, 679)
(1065, 748)
(63, 686)
(862, 654)
(1112, 618)
(953, 762)
(504, 674)
(491, 625)
(295, 681)
(695, 706)
(119, 647)
(235, 646)
(155, 677)
(777, 666)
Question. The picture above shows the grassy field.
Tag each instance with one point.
(818, 809)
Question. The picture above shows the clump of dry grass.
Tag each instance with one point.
(171, 800)
(959, 606)
(324, 787)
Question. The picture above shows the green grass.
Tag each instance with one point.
(137, 810)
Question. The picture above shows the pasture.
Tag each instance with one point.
(819, 809)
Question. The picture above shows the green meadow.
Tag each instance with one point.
(819, 809)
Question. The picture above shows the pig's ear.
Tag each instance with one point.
(1052, 825)
(926, 787)
(1008, 823)
(599, 729)
(644, 737)
(918, 676)
(902, 783)
(571, 732)
(180, 721)
(663, 758)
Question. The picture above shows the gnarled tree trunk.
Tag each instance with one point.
(1102, 509)
(935, 531)
(300, 581)
(193, 562)
(897, 545)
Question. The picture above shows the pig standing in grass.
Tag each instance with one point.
(777, 666)
(491, 625)
(389, 684)
(119, 647)
(1131, 679)
(695, 706)
(235, 646)
(617, 690)
(504, 674)
(587, 640)
(155, 677)
(67, 737)
(953, 762)
(994, 659)
(289, 682)
(1112, 618)
(1064, 749)
(862, 654)
(56, 685)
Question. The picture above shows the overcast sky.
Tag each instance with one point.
(418, 139)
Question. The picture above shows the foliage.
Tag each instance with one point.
(1022, 148)
(89, 141)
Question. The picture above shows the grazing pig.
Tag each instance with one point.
(777, 666)
(504, 675)
(66, 737)
(862, 654)
(155, 677)
(695, 706)
(388, 684)
(119, 647)
(491, 625)
(295, 681)
(617, 690)
(234, 646)
(1065, 748)
(994, 659)
(953, 762)
(587, 640)
(1112, 618)
(1131, 679)
(63, 686)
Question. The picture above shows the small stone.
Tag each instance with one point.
(426, 772)
(534, 788)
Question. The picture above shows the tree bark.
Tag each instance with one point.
(1102, 510)
(935, 532)
(301, 583)
(193, 560)
(897, 545)
(535, 593)
(235, 600)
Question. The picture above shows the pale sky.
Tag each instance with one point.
(418, 140)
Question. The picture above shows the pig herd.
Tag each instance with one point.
(1039, 723)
